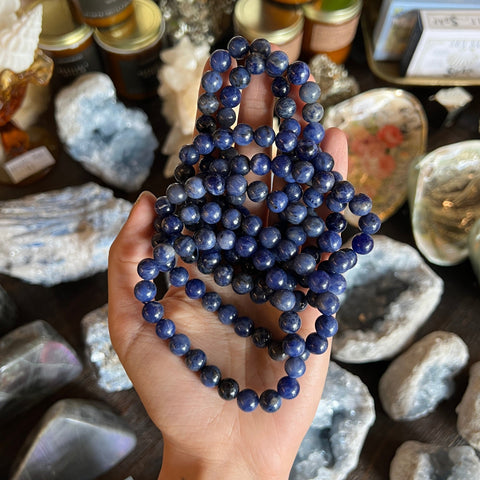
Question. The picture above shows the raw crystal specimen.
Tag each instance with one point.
(112, 376)
(474, 247)
(468, 410)
(75, 439)
(390, 293)
(35, 361)
(423, 461)
(332, 445)
(8, 312)
(60, 235)
(444, 197)
(111, 141)
(421, 377)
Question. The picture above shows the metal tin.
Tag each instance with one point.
(131, 50)
(104, 13)
(330, 27)
(67, 42)
(263, 19)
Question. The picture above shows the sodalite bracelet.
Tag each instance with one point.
(202, 219)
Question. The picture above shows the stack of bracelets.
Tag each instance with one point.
(202, 219)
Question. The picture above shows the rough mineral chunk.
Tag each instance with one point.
(35, 361)
(60, 235)
(423, 461)
(332, 445)
(75, 440)
(111, 141)
(419, 379)
(390, 294)
(111, 374)
(468, 410)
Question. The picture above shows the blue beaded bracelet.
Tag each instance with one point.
(202, 219)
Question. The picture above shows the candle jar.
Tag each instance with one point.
(104, 13)
(330, 27)
(131, 51)
(277, 24)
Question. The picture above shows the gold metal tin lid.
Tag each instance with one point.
(140, 31)
(60, 31)
(263, 19)
(332, 11)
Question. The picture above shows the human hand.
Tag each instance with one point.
(204, 435)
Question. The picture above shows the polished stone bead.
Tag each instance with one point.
(243, 326)
(270, 401)
(165, 328)
(75, 439)
(179, 344)
(277, 63)
(290, 124)
(230, 96)
(195, 288)
(195, 359)
(239, 77)
(312, 112)
(261, 46)
(211, 301)
(285, 107)
(261, 337)
(227, 314)
(264, 136)
(288, 387)
(316, 344)
(35, 361)
(255, 64)
(228, 388)
(220, 60)
(223, 275)
(295, 367)
(293, 345)
(280, 87)
(238, 46)
(210, 376)
(298, 73)
(283, 300)
(310, 92)
(153, 311)
(247, 400)
(211, 81)
(314, 132)
(208, 103)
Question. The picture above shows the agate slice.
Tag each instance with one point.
(386, 130)
(390, 294)
(444, 197)
(419, 379)
(332, 445)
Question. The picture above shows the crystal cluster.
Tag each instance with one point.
(390, 294)
(332, 445)
(111, 141)
(59, 235)
(111, 375)
(422, 376)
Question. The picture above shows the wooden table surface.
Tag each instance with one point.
(64, 305)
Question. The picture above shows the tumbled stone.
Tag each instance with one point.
(468, 410)
(60, 235)
(390, 294)
(99, 349)
(444, 197)
(8, 312)
(332, 445)
(111, 141)
(421, 377)
(474, 248)
(75, 440)
(423, 461)
(35, 361)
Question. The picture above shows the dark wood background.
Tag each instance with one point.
(64, 305)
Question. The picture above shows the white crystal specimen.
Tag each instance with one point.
(422, 461)
(390, 294)
(111, 374)
(421, 377)
(332, 445)
(468, 410)
(19, 36)
(60, 235)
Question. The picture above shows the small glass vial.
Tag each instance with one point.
(131, 51)
(330, 27)
(277, 24)
(104, 13)
(70, 44)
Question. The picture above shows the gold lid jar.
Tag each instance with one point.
(131, 50)
(330, 27)
(277, 24)
(103, 13)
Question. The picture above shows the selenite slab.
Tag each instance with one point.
(60, 235)
(99, 349)
(468, 410)
(8, 312)
(75, 440)
(422, 461)
(422, 376)
(390, 294)
(111, 141)
(332, 445)
(35, 361)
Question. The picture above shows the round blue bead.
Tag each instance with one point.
(277, 63)
(176, 193)
(312, 112)
(318, 281)
(247, 400)
(286, 249)
(165, 328)
(189, 155)
(293, 191)
(280, 87)
(178, 277)
(190, 214)
(288, 387)
(243, 134)
(323, 162)
(211, 213)
(228, 389)
(239, 77)
(238, 46)
(260, 164)
(227, 314)
(232, 219)
(264, 136)
(326, 325)
(295, 367)
(194, 188)
(296, 234)
(314, 132)
(312, 197)
(226, 117)
(205, 238)
(276, 278)
(219, 165)
(252, 224)
(243, 326)
(215, 184)
(220, 60)
(360, 204)
(298, 73)
(152, 312)
(245, 246)
(236, 185)
(208, 103)
(343, 191)
(255, 64)
(164, 253)
(261, 337)
(179, 344)
(270, 401)
(240, 164)
(205, 124)
(295, 213)
(226, 239)
(289, 322)
(195, 359)
(211, 301)
(285, 107)
(208, 261)
(316, 344)
(163, 207)
(230, 96)
(313, 226)
(291, 125)
(362, 243)
(339, 261)
(293, 345)
(327, 303)
(277, 201)
(334, 205)
(281, 166)
(211, 81)
(337, 284)
(242, 283)
(302, 171)
(148, 269)
(369, 223)
(329, 241)
(223, 275)
(203, 142)
(269, 236)
(257, 191)
(183, 172)
(336, 222)
(306, 150)
(283, 300)
(171, 224)
(304, 264)
(195, 288)
(286, 141)
(184, 246)
(210, 376)
(261, 46)
(263, 259)
(310, 92)
(223, 139)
